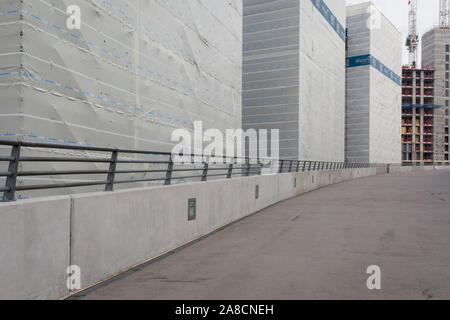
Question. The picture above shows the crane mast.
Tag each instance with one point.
(412, 42)
(443, 14)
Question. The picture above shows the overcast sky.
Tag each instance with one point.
(398, 11)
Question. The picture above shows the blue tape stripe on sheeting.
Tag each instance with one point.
(366, 60)
(330, 17)
(410, 106)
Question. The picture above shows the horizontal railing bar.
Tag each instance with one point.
(66, 146)
(6, 158)
(199, 169)
(87, 172)
(60, 185)
(44, 159)
(142, 162)
(139, 180)
(2, 189)
(188, 177)
(59, 173)
(5, 174)
(34, 144)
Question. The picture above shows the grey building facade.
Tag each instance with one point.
(294, 75)
(436, 54)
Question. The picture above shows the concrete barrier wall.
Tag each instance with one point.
(116, 231)
(34, 248)
(108, 233)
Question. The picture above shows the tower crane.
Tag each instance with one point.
(412, 42)
(443, 14)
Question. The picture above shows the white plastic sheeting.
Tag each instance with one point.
(373, 99)
(137, 70)
(322, 82)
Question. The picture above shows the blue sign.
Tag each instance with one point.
(367, 59)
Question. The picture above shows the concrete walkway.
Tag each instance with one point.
(316, 246)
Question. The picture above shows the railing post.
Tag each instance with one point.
(298, 166)
(290, 166)
(304, 166)
(230, 171)
(112, 171)
(13, 169)
(247, 169)
(281, 166)
(169, 172)
(260, 167)
(205, 171)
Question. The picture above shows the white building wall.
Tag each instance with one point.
(322, 82)
(373, 103)
(386, 96)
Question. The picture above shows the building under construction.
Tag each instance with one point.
(418, 118)
(373, 87)
(294, 75)
(426, 92)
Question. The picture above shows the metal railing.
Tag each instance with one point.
(231, 167)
